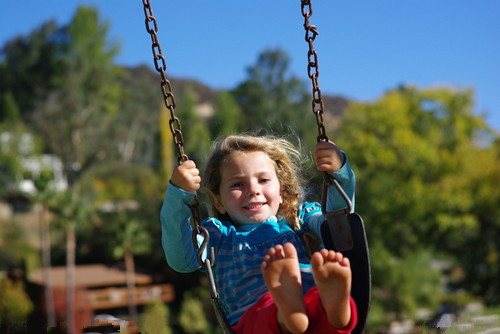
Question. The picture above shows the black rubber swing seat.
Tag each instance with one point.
(346, 234)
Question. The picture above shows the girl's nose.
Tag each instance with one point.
(254, 189)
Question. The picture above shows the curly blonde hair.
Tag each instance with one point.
(286, 159)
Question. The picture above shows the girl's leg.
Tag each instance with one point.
(281, 273)
(318, 321)
(332, 273)
(260, 318)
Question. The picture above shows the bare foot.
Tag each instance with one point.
(332, 273)
(281, 272)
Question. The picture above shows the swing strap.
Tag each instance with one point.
(176, 130)
(342, 231)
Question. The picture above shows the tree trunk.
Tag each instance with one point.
(70, 277)
(47, 279)
(130, 274)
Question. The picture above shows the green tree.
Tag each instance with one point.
(415, 154)
(475, 199)
(17, 144)
(130, 238)
(15, 250)
(194, 128)
(134, 126)
(28, 65)
(167, 157)
(15, 305)
(9, 110)
(10, 170)
(155, 318)
(121, 189)
(401, 152)
(42, 198)
(228, 116)
(75, 117)
(192, 316)
(273, 99)
(72, 209)
(402, 285)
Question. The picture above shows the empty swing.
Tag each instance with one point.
(342, 230)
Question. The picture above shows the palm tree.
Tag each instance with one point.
(131, 239)
(44, 199)
(72, 209)
(46, 260)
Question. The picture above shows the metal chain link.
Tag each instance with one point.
(313, 69)
(174, 122)
(166, 87)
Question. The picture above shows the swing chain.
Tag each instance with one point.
(175, 129)
(313, 69)
(166, 86)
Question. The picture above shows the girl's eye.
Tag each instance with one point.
(264, 180)
(236, 185)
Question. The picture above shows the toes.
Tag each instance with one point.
(286, 251)
(337, 256)
(332, 256)
(317, 260)
(289, 250)
(346, 262)
(324, 252)
(279, 252)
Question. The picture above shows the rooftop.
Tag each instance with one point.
(88, 276)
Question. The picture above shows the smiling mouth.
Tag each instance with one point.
(254, 206)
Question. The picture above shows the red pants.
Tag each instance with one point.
(262, 317)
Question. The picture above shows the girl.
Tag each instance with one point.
(265, 280)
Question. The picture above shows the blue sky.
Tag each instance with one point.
(365, 47)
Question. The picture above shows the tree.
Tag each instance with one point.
(228, 116)
(138, 114)
(155, 318)
(9, 111)
(121, 189)
(75, 117)
(273, 99)
(43, 197)
(416, 154)
(476, 197)
(167, 157)
(28, 65)
(195, 131)
(72, 209)
(130, 239)
(10, 170)
(15, 305)
(401, 150)
(192, 316)
(16, 144)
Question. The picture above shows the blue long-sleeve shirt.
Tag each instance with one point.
(239, 250)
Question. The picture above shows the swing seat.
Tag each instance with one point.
(346, 234)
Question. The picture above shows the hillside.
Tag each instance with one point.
(334, 105)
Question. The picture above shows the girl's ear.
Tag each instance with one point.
(218, 204)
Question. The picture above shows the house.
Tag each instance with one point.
(98, 289)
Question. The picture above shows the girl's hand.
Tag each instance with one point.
(186, 176)
(328, 157)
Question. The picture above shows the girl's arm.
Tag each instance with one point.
(347, 180)
(330, 159)
(312, 214)
(175, 218)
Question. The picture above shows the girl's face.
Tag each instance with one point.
(249, 190)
